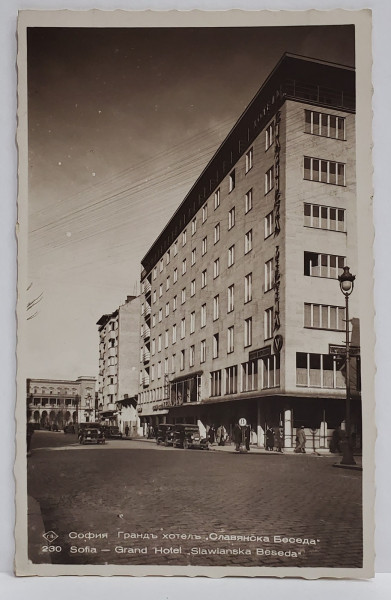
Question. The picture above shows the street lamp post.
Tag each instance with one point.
(346, 283)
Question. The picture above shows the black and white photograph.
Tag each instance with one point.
(196, 339)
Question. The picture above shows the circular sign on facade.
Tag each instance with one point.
(242, 422)
(278, 343)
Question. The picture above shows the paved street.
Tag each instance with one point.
(138, 487)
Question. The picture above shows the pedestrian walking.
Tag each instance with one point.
(218, 435)
(237, 436)
(212, 434)
(279, 434)
(247, 433)
(223, 436)
(126, 430)
(300, 440)
(269, 439)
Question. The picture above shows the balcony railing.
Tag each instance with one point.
(146, 332)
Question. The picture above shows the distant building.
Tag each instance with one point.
(119, 334)
(240, 292)
(54, 403)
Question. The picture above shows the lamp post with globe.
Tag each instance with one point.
(346, 283)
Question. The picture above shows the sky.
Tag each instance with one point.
(121, 123)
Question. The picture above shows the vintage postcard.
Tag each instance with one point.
(195, 316)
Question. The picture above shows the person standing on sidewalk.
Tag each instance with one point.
(301, 440)
(126, 431)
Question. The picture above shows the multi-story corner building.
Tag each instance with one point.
(119, 335)
(240, 292)
(54, 403)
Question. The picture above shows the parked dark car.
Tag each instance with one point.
(92, 436)
(165, 434)
(188, 436)
(113, 432)
(69, 428)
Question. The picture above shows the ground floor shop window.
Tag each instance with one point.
(231, 380)
(187, 390)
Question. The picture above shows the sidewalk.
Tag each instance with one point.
(320, 453)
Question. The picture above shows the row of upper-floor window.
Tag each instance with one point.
(315, 215)
(316, 316)
(315, 169)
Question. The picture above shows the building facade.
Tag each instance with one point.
(240, 292)
(54, 403)
(119, 334)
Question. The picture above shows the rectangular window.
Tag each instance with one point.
(271, 371)
(167, 309)
(323, 265)
(160, 290)
(203, 351)
(249, 160)
(324, 124)
(216, 268)
(175, 275)
(230, 340)
(166, 338)
(217, 233)
(248, 201)
(182, 363)
(160, 315)
(174, 333)
(152, 372)
(320, 370)
(154, 296)
(248, 241)
(184, 266)
(269, 136)
(159, 343)
(268, 323)
(215, 380)
(193, 226)
(153, 320)
(269, 275)
(166, 366)
(231, 380)
(203, 315)
(231, 181)
(184, 237)
(324, 217)
(191, 356)
(168, 283)
(269, 180)
(231, 218)
(173, 363)
(216, 307)
(250, 376)
(322, 316)
(154, 273)
(248, 332)
(167, 257)
(161, 266)
(183, 296)
(231, 255)
(217, 198)
(193, 287)
(174, 303)
(204, 246)
(204, 212)
(153, 347)
(183, 328)
(324, 171)
(192, 322)
(175, 248)
(203, 278)
(269, 224)
(230, 305)
(215, 348)
(248, 284)
(193, 257)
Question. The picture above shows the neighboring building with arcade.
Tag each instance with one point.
(240, 293)
(54, 403)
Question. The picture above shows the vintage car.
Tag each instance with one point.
(113, 432)
(165, 434)
(91, 435)
(188, 436)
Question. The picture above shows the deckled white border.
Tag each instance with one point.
(214, 19)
